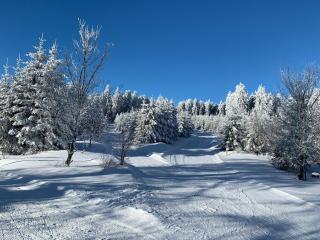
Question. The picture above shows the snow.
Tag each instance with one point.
(187, 190)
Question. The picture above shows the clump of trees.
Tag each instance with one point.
(49, 102)
(297, 144)
(284, 125)
(156, 121)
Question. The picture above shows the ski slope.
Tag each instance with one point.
(188, 190)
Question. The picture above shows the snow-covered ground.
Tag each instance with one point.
(188, 190)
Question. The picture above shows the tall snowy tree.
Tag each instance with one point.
(234, 133)
(189, 106)
(127, 101)
(82, 69)
(259, 122)
(55, 97)
(31, 120)
(181, 107)
(166, 118)
(297, 143)
(202, 108)
(236, 113)
(195, 107)
(222, 108)
(146, 127)
(185, 125)
(5, 110)
(237, 101)
(136, 101)
(208, 108)
(117, 103)
(107, 103)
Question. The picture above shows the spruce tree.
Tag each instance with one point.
(185, 125)
(6, 140)
(107, 103)
(146, 127)
(33, 102)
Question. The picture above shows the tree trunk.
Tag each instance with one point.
(302, 173)
(302, 168)
(122, 156)
(122, 159)
(70, 153)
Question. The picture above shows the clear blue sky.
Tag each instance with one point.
(180, 49)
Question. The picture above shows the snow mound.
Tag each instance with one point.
(137, 220)
(217, 159)
(32, 185)
(158, 157)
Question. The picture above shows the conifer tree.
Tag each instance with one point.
(236, 113)
(166, 118)
(31, 120)
(107, 103)
(146, 127)
(117, 103)
(185, 125)
(5, 110)
(257, 126)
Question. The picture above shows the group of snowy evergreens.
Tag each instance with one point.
(35, 111)
(284, 125)
(49, 102)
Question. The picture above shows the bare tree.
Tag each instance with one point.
(82, 68)
(297, 142)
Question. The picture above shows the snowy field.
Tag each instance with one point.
(188, 190)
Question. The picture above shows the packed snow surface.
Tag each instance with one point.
(188, 190)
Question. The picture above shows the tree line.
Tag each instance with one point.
(49, 102)
(284, 125)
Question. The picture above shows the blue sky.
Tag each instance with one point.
(180, 49)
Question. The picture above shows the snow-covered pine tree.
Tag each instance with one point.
(234, 133)
(251, 102)
(6, 140)
(208, 108)
(189, 106)
(181, 107)
(107, 103)
(202, 108)
(31, 120)
(236, 113)
(185, 125)
(166, 118)
(117, 103)
(258, 122)
(127, 101)
(222, 108)
(195, 107)
(237, 101)
(136, 101)
(146, 127)
(55, 97)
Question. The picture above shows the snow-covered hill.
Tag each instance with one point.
(188, 190)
